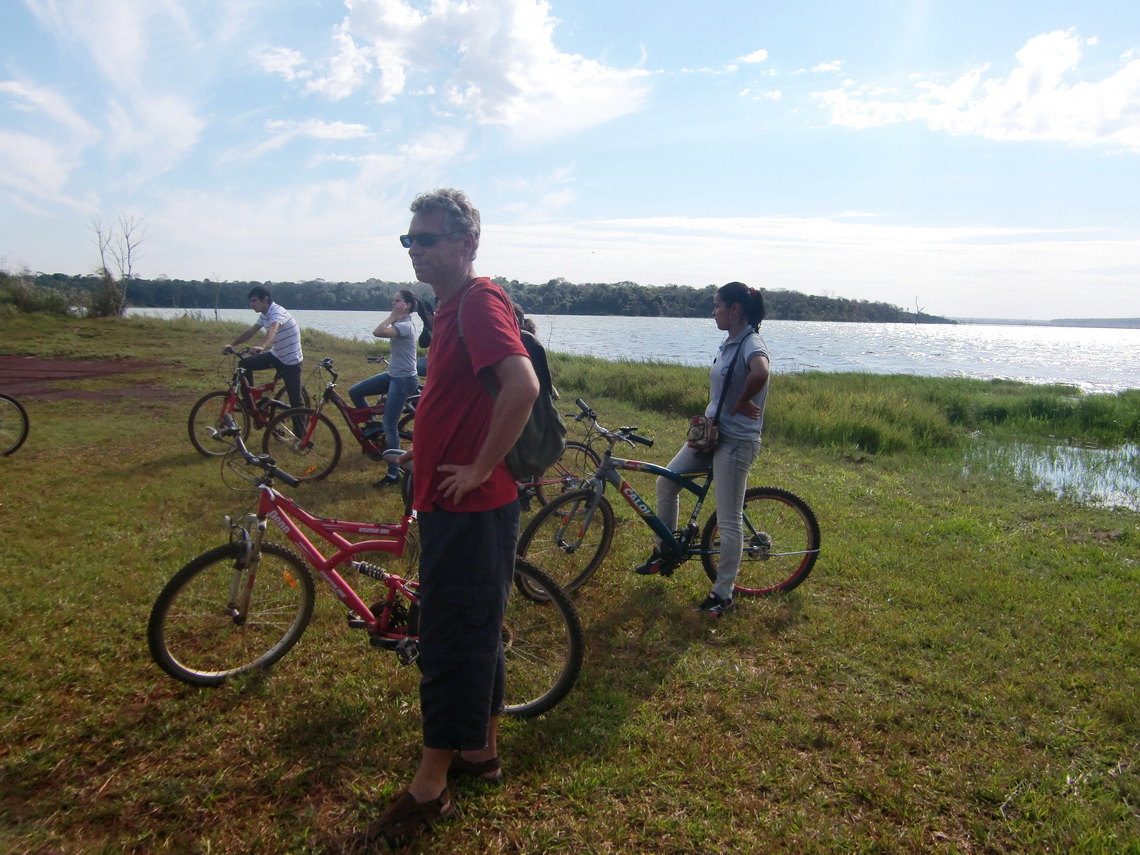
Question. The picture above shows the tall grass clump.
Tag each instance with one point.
(663, 387)
(1005, 408)
(18, 294)
(855, 412)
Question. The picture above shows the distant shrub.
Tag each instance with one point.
(19, 294)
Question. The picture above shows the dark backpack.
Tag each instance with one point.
(543, 438)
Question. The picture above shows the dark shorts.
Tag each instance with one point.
(467, 563)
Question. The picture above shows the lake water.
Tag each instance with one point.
(1096, 360)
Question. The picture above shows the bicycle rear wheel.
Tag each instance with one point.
(277, 401)
(556, 540)
(305, 437)
(781, 542)
(13, 425)
(405, 425)
(208, 415)
(194, 634)
(568, 472)
(543, 644)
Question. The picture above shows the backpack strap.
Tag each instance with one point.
(534, 349)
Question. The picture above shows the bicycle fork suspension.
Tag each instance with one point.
(245, 567)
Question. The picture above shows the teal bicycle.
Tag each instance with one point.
(571, 536)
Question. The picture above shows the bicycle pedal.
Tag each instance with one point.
(355, 621)
(407, 651)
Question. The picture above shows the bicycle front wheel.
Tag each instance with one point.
(306, 437)
(13, 425)
(195, 632)
(558, 539)
(208, 415)
(543, 644)
(569, 472)
(781, 542)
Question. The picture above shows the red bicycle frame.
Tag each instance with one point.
(391, 538)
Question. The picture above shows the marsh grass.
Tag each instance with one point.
(958, 674)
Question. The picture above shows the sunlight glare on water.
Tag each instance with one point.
(1095, 360)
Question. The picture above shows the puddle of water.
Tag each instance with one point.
(1109, 477)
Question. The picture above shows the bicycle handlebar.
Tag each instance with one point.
(327, 364)
(263, 461)
(624, 433)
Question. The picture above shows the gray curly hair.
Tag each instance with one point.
(459, 215)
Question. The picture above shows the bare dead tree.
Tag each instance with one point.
(918, 310)
(125, 250)
(119, 245)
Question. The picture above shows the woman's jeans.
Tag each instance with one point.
(377, 385)
(373, 386)
(731, 461)
(399, 390)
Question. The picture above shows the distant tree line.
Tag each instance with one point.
(556, 297)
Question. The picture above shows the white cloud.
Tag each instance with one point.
(50, 104)
(284, 61)
(756, 56)
(158, 130)
(38, 160)
(494, 62)
(834, 65)
(33, 166)
(347, 71)
(1039, 100)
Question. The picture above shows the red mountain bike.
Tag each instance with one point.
(314, 440)
(248, 405)
(242, 606)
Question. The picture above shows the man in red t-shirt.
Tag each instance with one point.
(467, 506)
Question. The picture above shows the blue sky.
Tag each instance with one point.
(979, 158)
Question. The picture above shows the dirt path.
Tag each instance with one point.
(29, 377)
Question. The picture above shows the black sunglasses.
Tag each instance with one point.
(424, 239)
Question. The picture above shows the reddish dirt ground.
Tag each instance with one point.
(29, 377)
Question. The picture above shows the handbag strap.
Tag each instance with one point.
(727, 381)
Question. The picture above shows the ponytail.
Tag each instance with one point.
(750, 300)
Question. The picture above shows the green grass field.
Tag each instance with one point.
(958, 674)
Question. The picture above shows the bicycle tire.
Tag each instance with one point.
(569, 562)
(543, 644)
(14, 425)
(192, 633)
(781, 543)
(318, 457)
(404, 426)
(208, 412)
(568, 472)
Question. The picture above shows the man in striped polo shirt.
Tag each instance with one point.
(281, 347)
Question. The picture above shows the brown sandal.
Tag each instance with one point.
(406, 819)
(488, 771)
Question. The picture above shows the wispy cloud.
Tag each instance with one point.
(1041, 99)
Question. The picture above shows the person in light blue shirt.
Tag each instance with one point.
(742, 361)
(402, 376)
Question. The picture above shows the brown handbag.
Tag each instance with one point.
(703, 433)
